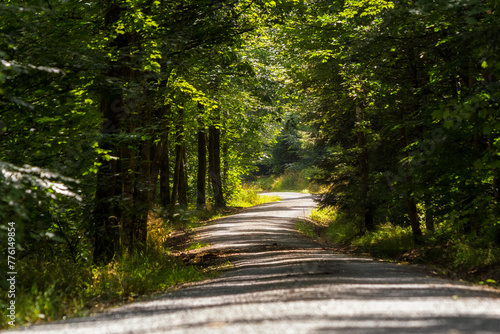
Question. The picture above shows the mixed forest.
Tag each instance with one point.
(119, 117)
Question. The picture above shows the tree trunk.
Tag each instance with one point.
(183, 180)
(179, 160)
(177, 172)
(364, 171)
(158, 151)
(142, 196)
(413, 216)
(165, 174)
(202, 170)
(112, 214)
(143, 187)
(214, 166)
(429, 220)
(410, 198)
(106, 212)
(414, 105)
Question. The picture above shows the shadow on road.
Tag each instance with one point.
(283, 283)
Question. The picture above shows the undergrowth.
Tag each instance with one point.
(473, 257)
(299, 181)
(249, 196)
(50, 286)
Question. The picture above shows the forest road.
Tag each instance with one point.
(284, 283)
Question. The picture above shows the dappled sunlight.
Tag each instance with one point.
(295, 282)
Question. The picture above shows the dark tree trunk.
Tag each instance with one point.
(177, 172)
(214, 166)
(202, 170)
(106, 211)
(179, 160)
(142, 197)
(429, 220)
(113, 212)
(158, 152)
(165, 174)
(364, 171)
(202, 164)
(414, 105)
(183, 180)
(410, 197)
(143, 194)
(413, 216)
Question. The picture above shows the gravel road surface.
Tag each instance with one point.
(284, 283)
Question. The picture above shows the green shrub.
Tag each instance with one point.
(472, 256)
(324, 215)
(341, 233)
(249, 196)
(264, 183)
(388, 241)
(305, 228)
(51, 286)
(340, 229)
(299, 181)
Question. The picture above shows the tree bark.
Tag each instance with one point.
(177, 174)
(214, 166)
(142, 196)
(183, 180)
(410, 198)
(108, 211)
(364, 171)
(202, 170)
(179, 191)
(429, 220)
(158, 151)
(165, 174)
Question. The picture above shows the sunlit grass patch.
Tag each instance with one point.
(249, 196)
(297, 181)
(306, 228)
(324, 215)
(52, 287)
(140, 273)
(196, 245)
(387, 241)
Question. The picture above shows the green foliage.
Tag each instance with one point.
(53, 286)
(325, 215)
(140, 273)
(249, 196)
(391, 108)
(196, 245)
(340, 229)
(305, 228)
(402, 101)
(300, 181)
(469, 256)
(387, 242)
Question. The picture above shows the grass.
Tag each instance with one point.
(196, 245)
(51, 287)
(470, 258)
(249, 196)
(298, 181)
(306, 228)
